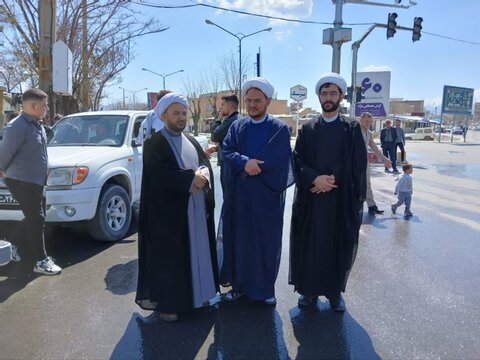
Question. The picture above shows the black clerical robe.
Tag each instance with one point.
(325, 226)
(164, 265)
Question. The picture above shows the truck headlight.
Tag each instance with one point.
(67, 176)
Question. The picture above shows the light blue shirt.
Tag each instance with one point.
(404, 184)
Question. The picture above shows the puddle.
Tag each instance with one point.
(464, 171)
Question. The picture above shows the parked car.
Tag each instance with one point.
(425, 133)
(202, 140)
(94, 175)
(457, 130)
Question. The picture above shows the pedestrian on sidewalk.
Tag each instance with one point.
(404, 190)
(24, 167)
(258, 169)
(388, 140)
(365, 123)
(400, 140)
(330, 163)
(177, 262)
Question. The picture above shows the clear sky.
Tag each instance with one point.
(292, 53)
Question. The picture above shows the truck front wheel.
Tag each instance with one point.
(113, 216)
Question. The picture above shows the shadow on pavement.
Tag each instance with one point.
(324, 334)
(68, 246)
(241, 330)
(247, 330)
(151, 338)
(121, 279)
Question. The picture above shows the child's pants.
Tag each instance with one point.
(404, 198)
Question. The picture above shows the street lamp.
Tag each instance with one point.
(133, 95)
(162, 75)
(240, 37)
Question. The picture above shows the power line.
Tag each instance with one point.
(284, 19)
(451, 38)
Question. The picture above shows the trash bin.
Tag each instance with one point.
(5, 252)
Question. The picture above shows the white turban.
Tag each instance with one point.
(168, 100)
(332, 78)
(259, 83)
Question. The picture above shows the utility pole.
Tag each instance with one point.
(338, 35)
(85, 79)
(337, 45)
(48, 30)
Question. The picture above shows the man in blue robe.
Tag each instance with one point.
(258, 170)
(330, 164)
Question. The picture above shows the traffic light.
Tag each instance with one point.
(348, 95)
(417, 28)
(391, 25)
(359, 96)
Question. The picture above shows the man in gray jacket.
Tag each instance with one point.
(24, 167)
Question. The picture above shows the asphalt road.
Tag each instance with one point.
(414, 292)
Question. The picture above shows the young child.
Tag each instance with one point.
(404, 190)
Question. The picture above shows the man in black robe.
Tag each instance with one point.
(330, 164)
(176, 235)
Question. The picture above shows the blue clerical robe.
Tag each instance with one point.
(252, 214)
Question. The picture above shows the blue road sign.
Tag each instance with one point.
(457, 100)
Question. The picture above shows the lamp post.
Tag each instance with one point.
(162, 75)
(133, 95)
(240, 37)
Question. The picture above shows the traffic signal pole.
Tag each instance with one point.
(338, 35)
(355, 48)
(337, 46)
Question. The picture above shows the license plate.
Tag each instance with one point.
(7, 200)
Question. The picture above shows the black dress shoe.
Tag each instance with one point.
(337, 304)
(373, 210)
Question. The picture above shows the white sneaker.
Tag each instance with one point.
(47, 267)
(14, 254)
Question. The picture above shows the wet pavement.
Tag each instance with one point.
(414, 291)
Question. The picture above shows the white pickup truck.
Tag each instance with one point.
(424, 133)
(95, 172)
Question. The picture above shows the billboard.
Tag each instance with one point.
(457, 100)
(152, 100)
(375, 87)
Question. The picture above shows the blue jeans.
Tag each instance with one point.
(389, 150)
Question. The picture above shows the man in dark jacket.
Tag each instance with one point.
(229, 114)
(24, 166)
(388, 140)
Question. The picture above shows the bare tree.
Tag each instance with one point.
(12, 74)
(113, 27)
(229, 72)
(194, 91)
(212, 82)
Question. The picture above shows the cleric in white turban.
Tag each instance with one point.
(168, 100)
(259, 83)
(331, 78)
(331, 163)
(177, 263)
(257, 158)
